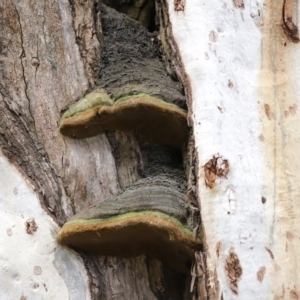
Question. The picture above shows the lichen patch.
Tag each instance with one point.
(233, 271)
(95, 99)
(217, 166)
(31, 226)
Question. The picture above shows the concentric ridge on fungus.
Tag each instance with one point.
(158, 121)
(154, 221)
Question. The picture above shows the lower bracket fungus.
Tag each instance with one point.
(158, 121)
(151, 220)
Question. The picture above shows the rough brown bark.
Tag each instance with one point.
(49, 57)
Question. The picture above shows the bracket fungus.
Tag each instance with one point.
(145, 219)
(134, 91)
(158, 121)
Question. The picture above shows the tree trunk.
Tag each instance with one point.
(52, 54)
(232, 64)
(241, 61)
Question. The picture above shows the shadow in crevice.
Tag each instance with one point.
(142, 11)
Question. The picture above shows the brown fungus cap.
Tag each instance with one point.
(151, 220)
(158, 121)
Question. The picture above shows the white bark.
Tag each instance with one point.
(33, 266)
(244, 76)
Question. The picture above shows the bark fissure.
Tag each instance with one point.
(203, 289)
(96, 281)
(13, 141)
(171, 56)
(22, 55)
(87, 28)
(200, 287)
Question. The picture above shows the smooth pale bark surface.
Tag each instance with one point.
(33, 266)
(243, 72)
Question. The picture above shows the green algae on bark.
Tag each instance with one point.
(91, 101)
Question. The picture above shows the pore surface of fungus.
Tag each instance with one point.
(152, 220)
(158, 121)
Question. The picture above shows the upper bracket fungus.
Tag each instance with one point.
(136, 92)
(158, 121)
(145, 219)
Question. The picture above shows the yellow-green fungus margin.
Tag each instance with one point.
(132, 234)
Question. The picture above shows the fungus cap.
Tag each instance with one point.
(158, 121)
(148, 220)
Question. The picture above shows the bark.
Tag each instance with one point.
(51, 54)
(241, 58)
